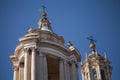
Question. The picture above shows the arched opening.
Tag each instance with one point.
(53, 68)
(94, 75)
(103, 74)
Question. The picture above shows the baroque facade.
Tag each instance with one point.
(42, 55)
(95, 66)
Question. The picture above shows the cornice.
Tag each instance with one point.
(37, 35)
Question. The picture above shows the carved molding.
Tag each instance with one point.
(26, 50)
(73, 61)
(60, 59)
(49, 51)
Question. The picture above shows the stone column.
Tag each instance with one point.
(45, 67)
(40, 74)
(99, 73)
(98, 70)
(15, 73)
(76, 66)
(33, 68)
(21, 71)
(82, 76)
(89, 75)
(73, 70)
(26, 64)
(29, 65)
(67, 71)
(108, 72)
(61, 69)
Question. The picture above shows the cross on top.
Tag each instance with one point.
(43, 8)
(92, 40)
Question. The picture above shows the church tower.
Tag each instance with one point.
(95, 66)
(42, 55)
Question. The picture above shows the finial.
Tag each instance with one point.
(42, 10)
(86, 55)
(105, 56)
(44, 23)
(81, 62)
(30, 29)
(92, 45)
(96, 53)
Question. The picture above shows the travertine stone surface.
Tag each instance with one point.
(43, 55)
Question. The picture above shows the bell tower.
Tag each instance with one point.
(42, 55)
(95, 66)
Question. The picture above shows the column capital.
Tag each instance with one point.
(72, 61)
(15, 68)
(44, 54)
(65, 62)
(26, 49)
(41, 54)
(33, 48)
(61, 59)
(33, 60)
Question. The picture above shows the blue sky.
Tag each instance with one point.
(73, 19)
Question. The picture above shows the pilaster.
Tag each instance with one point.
(45, 67)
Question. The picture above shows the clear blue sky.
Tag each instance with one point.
(73, 19)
